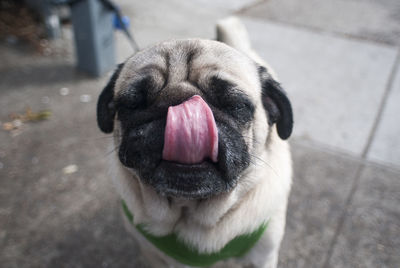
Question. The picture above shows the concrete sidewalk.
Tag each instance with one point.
(339, 62)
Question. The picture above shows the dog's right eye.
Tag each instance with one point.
(124, 106)
(125, 109)
(134, 97)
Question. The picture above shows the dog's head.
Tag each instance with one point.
(189, 116)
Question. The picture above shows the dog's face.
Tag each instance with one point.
(236, 105)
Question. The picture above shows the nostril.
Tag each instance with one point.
(136, 133)
(139, 132)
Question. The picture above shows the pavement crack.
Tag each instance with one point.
(343, 216)
(382, 105)
(357, 177)
(249, 6)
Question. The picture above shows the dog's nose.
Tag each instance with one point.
(191, 133)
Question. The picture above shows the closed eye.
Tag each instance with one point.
(240, 108)
(135, 96)
(231, 100)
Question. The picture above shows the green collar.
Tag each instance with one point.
(174, 248)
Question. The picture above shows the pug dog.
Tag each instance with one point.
(201, 160)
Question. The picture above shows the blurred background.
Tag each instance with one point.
(338, 60)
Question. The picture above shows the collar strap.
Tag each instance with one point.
(176, 249)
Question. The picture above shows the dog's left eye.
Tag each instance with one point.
(240, 108)
(232, 100)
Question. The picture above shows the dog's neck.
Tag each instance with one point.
(172, 246)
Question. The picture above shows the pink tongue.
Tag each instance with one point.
(191, 134)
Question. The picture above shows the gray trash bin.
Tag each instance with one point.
(94, 36)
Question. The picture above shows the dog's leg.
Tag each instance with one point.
(149, 256)
(265, 252)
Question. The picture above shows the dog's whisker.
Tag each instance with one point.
(91, 139)
(102, 138)
(259, 161)
(266, 163)
(112, 151)
(252, 140)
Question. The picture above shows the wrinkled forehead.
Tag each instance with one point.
(190, 60)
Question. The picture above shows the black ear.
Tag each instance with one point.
(105, 105)
(277, 104)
